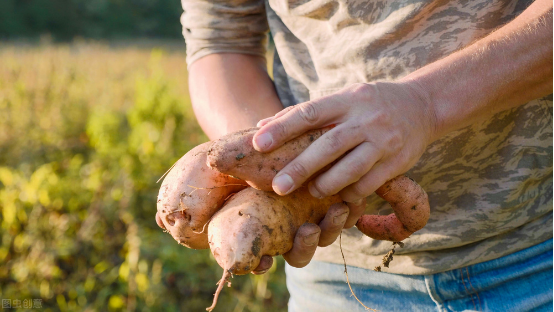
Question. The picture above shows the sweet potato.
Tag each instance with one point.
(234, 154)
(189, 196)
(254, 223)
(411, 211)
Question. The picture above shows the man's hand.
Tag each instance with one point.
(381, 129)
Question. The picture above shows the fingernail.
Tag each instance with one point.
(263, 141)
(282, 184)
(314, 191)
(338, 220)
(311, 239)
(260, 272)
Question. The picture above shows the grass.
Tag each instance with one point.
(86, 129)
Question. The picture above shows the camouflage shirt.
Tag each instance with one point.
(489, 184)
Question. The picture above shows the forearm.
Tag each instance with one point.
(230, 92)
(509, 67)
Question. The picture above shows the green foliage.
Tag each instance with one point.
(85, 133)
(111, 19)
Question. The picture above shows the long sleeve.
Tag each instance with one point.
(224, 26)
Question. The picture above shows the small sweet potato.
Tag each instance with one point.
(234, 154)
(189, 196)
(411, 211)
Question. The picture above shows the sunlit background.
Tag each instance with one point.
(94, 108)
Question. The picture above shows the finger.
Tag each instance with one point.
(356, 211)
(265, 264)
(332, 224)
(296, 121)
(371, 181)
(320, 153)
(304, 246)
(263, 122)
(283, 111)
(346, 171)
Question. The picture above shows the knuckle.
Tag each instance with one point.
(385, 174)
(358, 87)
(298, 170)
(356, 170)
(309, 113)
(357, 206)
(357, 190)
(382, 118)
(334, 140)
(395, 141)
(318, 186)
(280, 129)
(285, 110)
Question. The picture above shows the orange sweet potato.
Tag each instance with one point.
(411, 211)
(235, 155)
(255, 223)
(189, 196)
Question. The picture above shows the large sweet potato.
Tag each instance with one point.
(255, 223)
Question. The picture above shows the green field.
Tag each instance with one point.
(86, 130)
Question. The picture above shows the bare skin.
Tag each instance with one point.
(388, 125)
(226, 92)
(231, 92)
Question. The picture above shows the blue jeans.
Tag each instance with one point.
(521, 281)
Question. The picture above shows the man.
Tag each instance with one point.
(451, 92)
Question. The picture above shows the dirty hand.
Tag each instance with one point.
(381, 130)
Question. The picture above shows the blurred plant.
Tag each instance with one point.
(85, 132)
(110, 19)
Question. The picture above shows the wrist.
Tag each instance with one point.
(421, 96)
